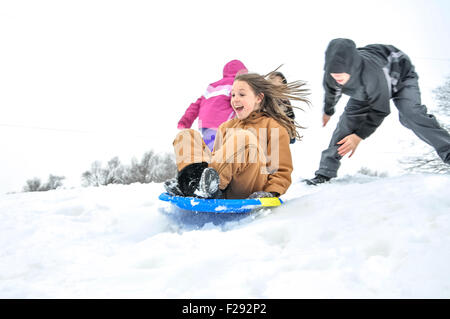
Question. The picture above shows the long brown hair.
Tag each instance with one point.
(274, 95)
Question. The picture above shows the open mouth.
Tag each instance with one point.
(238, 108)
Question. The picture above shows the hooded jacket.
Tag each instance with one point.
(376, 71)
(274, 141)
(214, 107)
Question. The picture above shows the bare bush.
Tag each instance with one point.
(35, 184)
(151, 168)
(430, 162)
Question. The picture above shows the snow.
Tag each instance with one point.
(357, 237)
(194, 202)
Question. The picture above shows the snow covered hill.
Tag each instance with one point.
(357, 237)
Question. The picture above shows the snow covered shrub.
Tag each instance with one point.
(368, 172)
(430, 161)
(32, 185)
(53, 182)
(164, 168)
(113, 173)
(151, 168)
(93, 177)
(35, 184)
(140, 171)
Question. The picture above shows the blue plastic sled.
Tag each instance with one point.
(220, 205)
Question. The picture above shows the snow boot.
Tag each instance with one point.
(209, 184)
(189, 178)
(319, 179)
(171, 186)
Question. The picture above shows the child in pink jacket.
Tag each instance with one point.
(214, 107)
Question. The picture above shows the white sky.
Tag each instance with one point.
(88, 80)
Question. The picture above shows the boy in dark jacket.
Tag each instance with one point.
(371, 76)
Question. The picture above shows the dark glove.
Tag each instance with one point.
(262, 194)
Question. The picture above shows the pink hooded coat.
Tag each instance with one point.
(214, 107)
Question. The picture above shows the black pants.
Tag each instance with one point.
(412, 114)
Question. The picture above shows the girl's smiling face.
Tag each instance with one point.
(243, 99)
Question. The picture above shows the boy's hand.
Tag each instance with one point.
(325, 119)
(349, 143)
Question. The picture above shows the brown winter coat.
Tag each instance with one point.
(250, 155)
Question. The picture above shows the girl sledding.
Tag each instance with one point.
(251, 157)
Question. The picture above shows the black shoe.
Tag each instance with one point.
(209, 183)
(319, 179)
(171, 186)
(189, 178)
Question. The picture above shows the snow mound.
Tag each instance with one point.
(356, 237)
